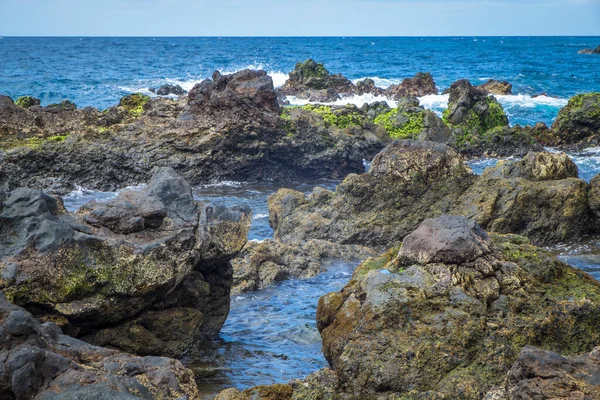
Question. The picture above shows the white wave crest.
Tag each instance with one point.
(357, 100)
(434, 101)
(524, 100)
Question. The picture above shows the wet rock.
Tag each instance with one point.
(310, 79)
(578, 123)
(147, 272)
(496, 87)
(168, 89)
(545, 374)
(539, 196)
(505, 141)
(38, 361)
(422, 84)
(590, 51)
(261, 264)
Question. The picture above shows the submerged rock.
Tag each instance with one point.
(312, 81)
(38, 361)
(422, 84)
(261, 264)
(146, 272)
(539, 196)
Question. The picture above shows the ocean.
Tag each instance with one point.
(98, 71)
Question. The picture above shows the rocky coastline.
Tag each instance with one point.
(451, 297)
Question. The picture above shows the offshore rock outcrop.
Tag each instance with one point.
(312, 81)
(539, 196)
(450, 314)
(590, 51)
(422, 84)
(38, 361)
(227, 128)
(148, 272)
(493, 86)
(577, 124)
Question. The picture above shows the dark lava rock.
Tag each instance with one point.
(146, 272)
(367, 86)
(578, 123)
(168, 89)
(590, 51)
(38, 361)
(310, 79)
(422, 84)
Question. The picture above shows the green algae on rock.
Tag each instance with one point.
(27, 101)
(578, 123)
(134, 103)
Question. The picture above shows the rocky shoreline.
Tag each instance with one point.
(452, 298)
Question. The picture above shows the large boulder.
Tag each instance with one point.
(227, 128)
(147, 272)
(539, 196)
(407, 182)
(39, 362)
(504, 141)
(422, 84)
(448, 315)
(493, 86)
(312, 81)
(367, 86)
(578, 123)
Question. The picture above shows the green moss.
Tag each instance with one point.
(103, 129)
(341, 118)
(134, 103)
(311, 69)
(410, 129)
(33, 142)
(27, 101)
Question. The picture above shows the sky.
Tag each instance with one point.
(299, 18)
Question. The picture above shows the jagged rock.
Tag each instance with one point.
(505, 141)
(27, 101)
(539, 196)
(168, 89)
(38, 361)
(367, 86)
(408, 182)
(578, 123)
(310, 79)
(471, 113)
(146, 272)
(261, 264)
(544, 374)
(496, 87)
(422, 84)
(590, 51)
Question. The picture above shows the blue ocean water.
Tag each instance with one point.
(98, 71)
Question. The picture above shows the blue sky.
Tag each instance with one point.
(299, 18)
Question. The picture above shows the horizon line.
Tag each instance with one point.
(295, 36)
